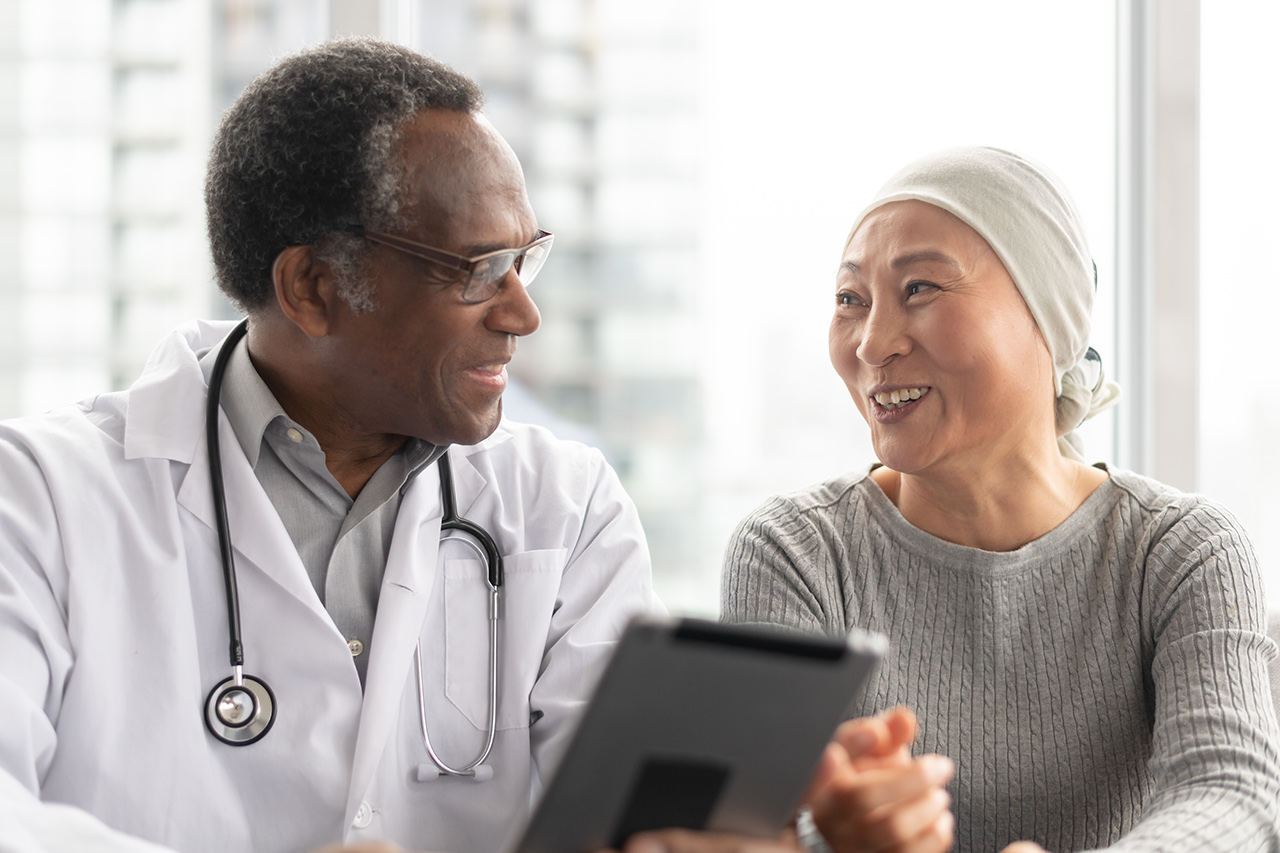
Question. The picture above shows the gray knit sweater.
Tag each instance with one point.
(1104, 685)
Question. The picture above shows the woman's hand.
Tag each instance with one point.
(689, 841)
(1024, 847)
(870, 795)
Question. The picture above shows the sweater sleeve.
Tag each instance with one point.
(1215, 758)
(776, 572)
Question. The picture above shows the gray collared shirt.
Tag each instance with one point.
(343, 542)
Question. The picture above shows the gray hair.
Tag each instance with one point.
(304, 157)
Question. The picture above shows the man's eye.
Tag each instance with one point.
(443, 276)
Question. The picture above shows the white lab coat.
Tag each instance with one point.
(113, 630)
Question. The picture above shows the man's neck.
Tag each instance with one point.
(351, 455)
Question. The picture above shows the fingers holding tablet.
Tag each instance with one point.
(689, 841)
(871, 795)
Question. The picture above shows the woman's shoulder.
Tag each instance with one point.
(1179, 537)
(835, 498)
(816, 520)
(1151, 503)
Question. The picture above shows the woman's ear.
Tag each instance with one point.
(305, 289)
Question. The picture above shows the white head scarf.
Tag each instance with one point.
(1029, 220)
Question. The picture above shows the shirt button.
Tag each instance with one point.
(294, 435)
(356, 647)
(364, 816)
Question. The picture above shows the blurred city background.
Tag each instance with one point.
(700, 162)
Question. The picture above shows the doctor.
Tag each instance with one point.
(350, 192)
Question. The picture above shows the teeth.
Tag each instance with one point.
(899, 398)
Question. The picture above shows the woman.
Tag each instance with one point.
(1086, 644)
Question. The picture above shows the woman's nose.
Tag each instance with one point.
(884, 335)
(513, 311)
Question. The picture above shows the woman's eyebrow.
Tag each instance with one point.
(924, 256)
(927, 256)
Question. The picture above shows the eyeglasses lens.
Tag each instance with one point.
(488, 274)
(531, 262)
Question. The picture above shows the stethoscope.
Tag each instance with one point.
(240, 710)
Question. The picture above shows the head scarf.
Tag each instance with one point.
(1029, 220)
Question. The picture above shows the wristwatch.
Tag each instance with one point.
(807, 833)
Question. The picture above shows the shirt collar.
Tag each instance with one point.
(248, 402)
(251, 408)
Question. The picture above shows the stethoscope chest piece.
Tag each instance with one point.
(240, 714)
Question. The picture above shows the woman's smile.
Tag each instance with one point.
(890, 407)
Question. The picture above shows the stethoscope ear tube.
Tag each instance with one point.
(452, 521)
(486, 547)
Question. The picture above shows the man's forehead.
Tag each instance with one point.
(447, 140)
(457, 168)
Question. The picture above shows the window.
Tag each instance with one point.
(1239, 293)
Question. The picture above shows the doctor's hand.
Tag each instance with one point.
(870, 795)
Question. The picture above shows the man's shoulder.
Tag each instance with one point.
(524, 443)
(86, 426)
(101, 423)
(530, 460)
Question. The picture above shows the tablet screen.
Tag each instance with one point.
(699, 725)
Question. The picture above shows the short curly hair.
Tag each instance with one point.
(303, 157)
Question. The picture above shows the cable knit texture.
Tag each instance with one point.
(1105, 686)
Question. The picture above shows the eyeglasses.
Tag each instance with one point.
(484, 272)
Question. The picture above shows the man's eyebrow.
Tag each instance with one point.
(484, 248)
(478, 249)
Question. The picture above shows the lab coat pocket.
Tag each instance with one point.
(532, 580)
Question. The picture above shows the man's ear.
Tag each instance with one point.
(305, 289)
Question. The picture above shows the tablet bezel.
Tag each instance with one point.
(735, 714)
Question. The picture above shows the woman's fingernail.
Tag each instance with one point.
(646, 845)
(938, 768)
(862, 741)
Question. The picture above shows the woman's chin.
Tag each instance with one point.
(904, 460)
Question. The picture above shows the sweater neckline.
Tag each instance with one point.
(1080, 523)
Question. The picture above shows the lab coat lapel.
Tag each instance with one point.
(402, 607)
(257, 533)
(469, 479)
(166, 420)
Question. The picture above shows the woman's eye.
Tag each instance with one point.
(917, 287)
(844, 299)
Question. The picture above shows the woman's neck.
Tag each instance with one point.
(995, 507)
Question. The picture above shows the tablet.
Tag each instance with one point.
(699, 725)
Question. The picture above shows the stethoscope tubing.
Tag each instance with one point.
(243, 732)
(452, 521)
(220, 498)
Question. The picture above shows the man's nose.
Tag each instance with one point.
(513, 311)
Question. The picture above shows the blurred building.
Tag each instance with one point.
(107, 108)
(599, 98)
